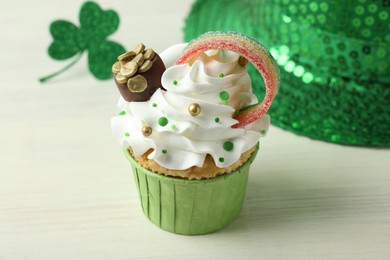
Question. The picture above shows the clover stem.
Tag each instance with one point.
(76, 59)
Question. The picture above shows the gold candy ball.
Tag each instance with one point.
(147, 130)
(194, 109)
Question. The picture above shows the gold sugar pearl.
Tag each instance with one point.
(139, 48)
(242, 61)
(127, 56)
(194, 109)
(147, 131)
(137, 84)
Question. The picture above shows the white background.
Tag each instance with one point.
(67, 192)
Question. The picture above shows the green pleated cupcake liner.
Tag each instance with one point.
(333, 59)
(191, 207)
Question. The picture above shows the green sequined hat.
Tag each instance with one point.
(334, 58)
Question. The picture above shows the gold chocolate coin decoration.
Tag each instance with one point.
(120, 78)
(146, 131)
(139, 48)
(117, 67)
(145, 66)
(194, 109)
(129, 69)
(127, 56)
(139, 59)
(149, 54)
(242, 61)
(137, 84)
(138, 73)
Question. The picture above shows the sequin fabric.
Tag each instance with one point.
(334, 58)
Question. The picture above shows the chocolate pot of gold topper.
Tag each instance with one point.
(138, 73)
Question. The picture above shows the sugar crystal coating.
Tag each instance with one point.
(250, 49)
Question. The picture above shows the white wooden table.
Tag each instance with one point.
(67, 192)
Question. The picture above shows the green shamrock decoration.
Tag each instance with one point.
(71, 41)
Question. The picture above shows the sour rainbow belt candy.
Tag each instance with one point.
(254, 52)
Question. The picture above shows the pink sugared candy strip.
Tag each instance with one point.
(254, 52)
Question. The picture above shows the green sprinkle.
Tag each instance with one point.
(224, 95)
(163, 121)
(263, 132)
(122, 113)
(164, 151)
(216, 119)
(221, 159)
(127, 134)
(228, 146)
(174, 82)
(154, 105)
(221, 75)
(174, 127)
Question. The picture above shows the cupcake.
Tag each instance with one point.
(190, 125)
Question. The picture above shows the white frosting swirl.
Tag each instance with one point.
(180, 140)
